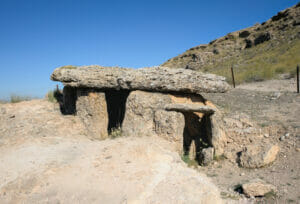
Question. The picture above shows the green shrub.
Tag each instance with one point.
(50, 96)
(54, 95)
(115, 132)
(68, 67)
(188, 161)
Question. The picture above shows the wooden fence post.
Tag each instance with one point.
(297, 78)
(232, 74)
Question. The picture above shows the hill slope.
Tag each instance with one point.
(258, 52)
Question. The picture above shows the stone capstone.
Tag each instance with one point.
(157, 79)
(256, 156)
(257, 187)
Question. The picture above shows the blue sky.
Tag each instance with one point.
(37, 36)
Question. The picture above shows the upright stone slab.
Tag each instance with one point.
(92, 109)
(145, 116)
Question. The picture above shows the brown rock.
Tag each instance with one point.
(145, 116)
(169, 125)
(257, 187)
(92, 110)
(256, 156)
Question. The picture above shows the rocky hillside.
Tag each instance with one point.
(259, 52)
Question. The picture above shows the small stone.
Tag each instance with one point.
(282, 138)
(3, 111)
(287, 135)
(257, 187)
(207, 156)
(266, 135)
(242, 174)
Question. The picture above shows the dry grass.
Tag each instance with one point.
(18, 98)
(257, 64)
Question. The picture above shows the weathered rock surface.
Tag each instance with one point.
(159, 79)
(207, 155)
(218, 136)
(46, 158)
(169, 125)
(257, 187)
(256, 156)
(91, 108)
(145, 116)
(190, 108)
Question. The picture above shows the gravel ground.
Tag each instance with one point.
(272, 108)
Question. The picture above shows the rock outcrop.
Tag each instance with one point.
(158, 79)
(256, 156)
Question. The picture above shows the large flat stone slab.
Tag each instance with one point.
(158, 79)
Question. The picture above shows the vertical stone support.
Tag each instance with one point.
(92, 109)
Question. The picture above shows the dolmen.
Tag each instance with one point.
(155, 101)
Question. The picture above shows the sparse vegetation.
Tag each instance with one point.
(257, 64)
(188, 161)
(271, 194)
(226, 195)
(50, 96)
(257, 53)
(219, 158)
(18, 98)
(212, 175)
(69, 67)
(115, 133)
(3, 101)
(54, 95)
